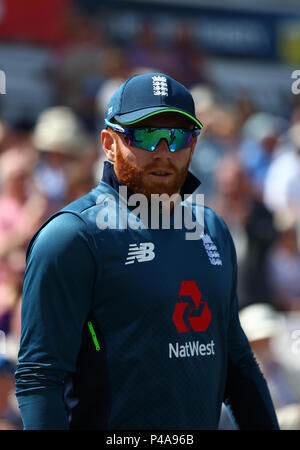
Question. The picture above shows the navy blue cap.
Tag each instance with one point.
(145, 95)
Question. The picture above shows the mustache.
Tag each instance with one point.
(161, 167)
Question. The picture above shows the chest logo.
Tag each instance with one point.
(211, 250)
(141, 253)
(194, 313)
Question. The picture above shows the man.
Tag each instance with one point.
(128, 327)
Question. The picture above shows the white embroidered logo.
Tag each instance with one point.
(160, 86)
(141, 253)
(211, 250)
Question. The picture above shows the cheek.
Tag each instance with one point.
(123, 153)
(138, 157)
(182, 157)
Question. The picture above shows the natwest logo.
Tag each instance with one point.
(195, 314)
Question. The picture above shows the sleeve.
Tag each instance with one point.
(246, 393)
(57, 296)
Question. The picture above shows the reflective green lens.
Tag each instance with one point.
(148, 138)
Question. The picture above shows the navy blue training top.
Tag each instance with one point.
(133, 328)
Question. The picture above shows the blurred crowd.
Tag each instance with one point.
(248, 162)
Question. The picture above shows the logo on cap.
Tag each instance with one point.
(160, 86)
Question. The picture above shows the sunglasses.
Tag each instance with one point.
(148, 138)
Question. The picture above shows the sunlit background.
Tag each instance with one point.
(60, 62)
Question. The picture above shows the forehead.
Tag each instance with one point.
(166, 119)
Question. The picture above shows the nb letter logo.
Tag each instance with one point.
(198, 316)
(141, 253)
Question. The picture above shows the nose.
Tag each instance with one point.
(162, 150)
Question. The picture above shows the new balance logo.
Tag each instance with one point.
(141, 253)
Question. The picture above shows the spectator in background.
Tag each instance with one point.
(22, 209)
(111, 64)
(263, 325)
(251, 225)
(79, 59)
(9, 415)
(244, 106)
(218, 138)
(146, 51)
(260, 135)
(4, 132)
(22, 206)
(16, 133)
(12, 337)
(63, 145)
(10, 293)
(83, 172)
(189, 61)
(283, 263)
(282, 187)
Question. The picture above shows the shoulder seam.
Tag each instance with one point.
(58, 213)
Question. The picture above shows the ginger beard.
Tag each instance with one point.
(135, 178)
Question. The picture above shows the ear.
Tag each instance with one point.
(109, 145)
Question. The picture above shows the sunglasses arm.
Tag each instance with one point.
(114, 126)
